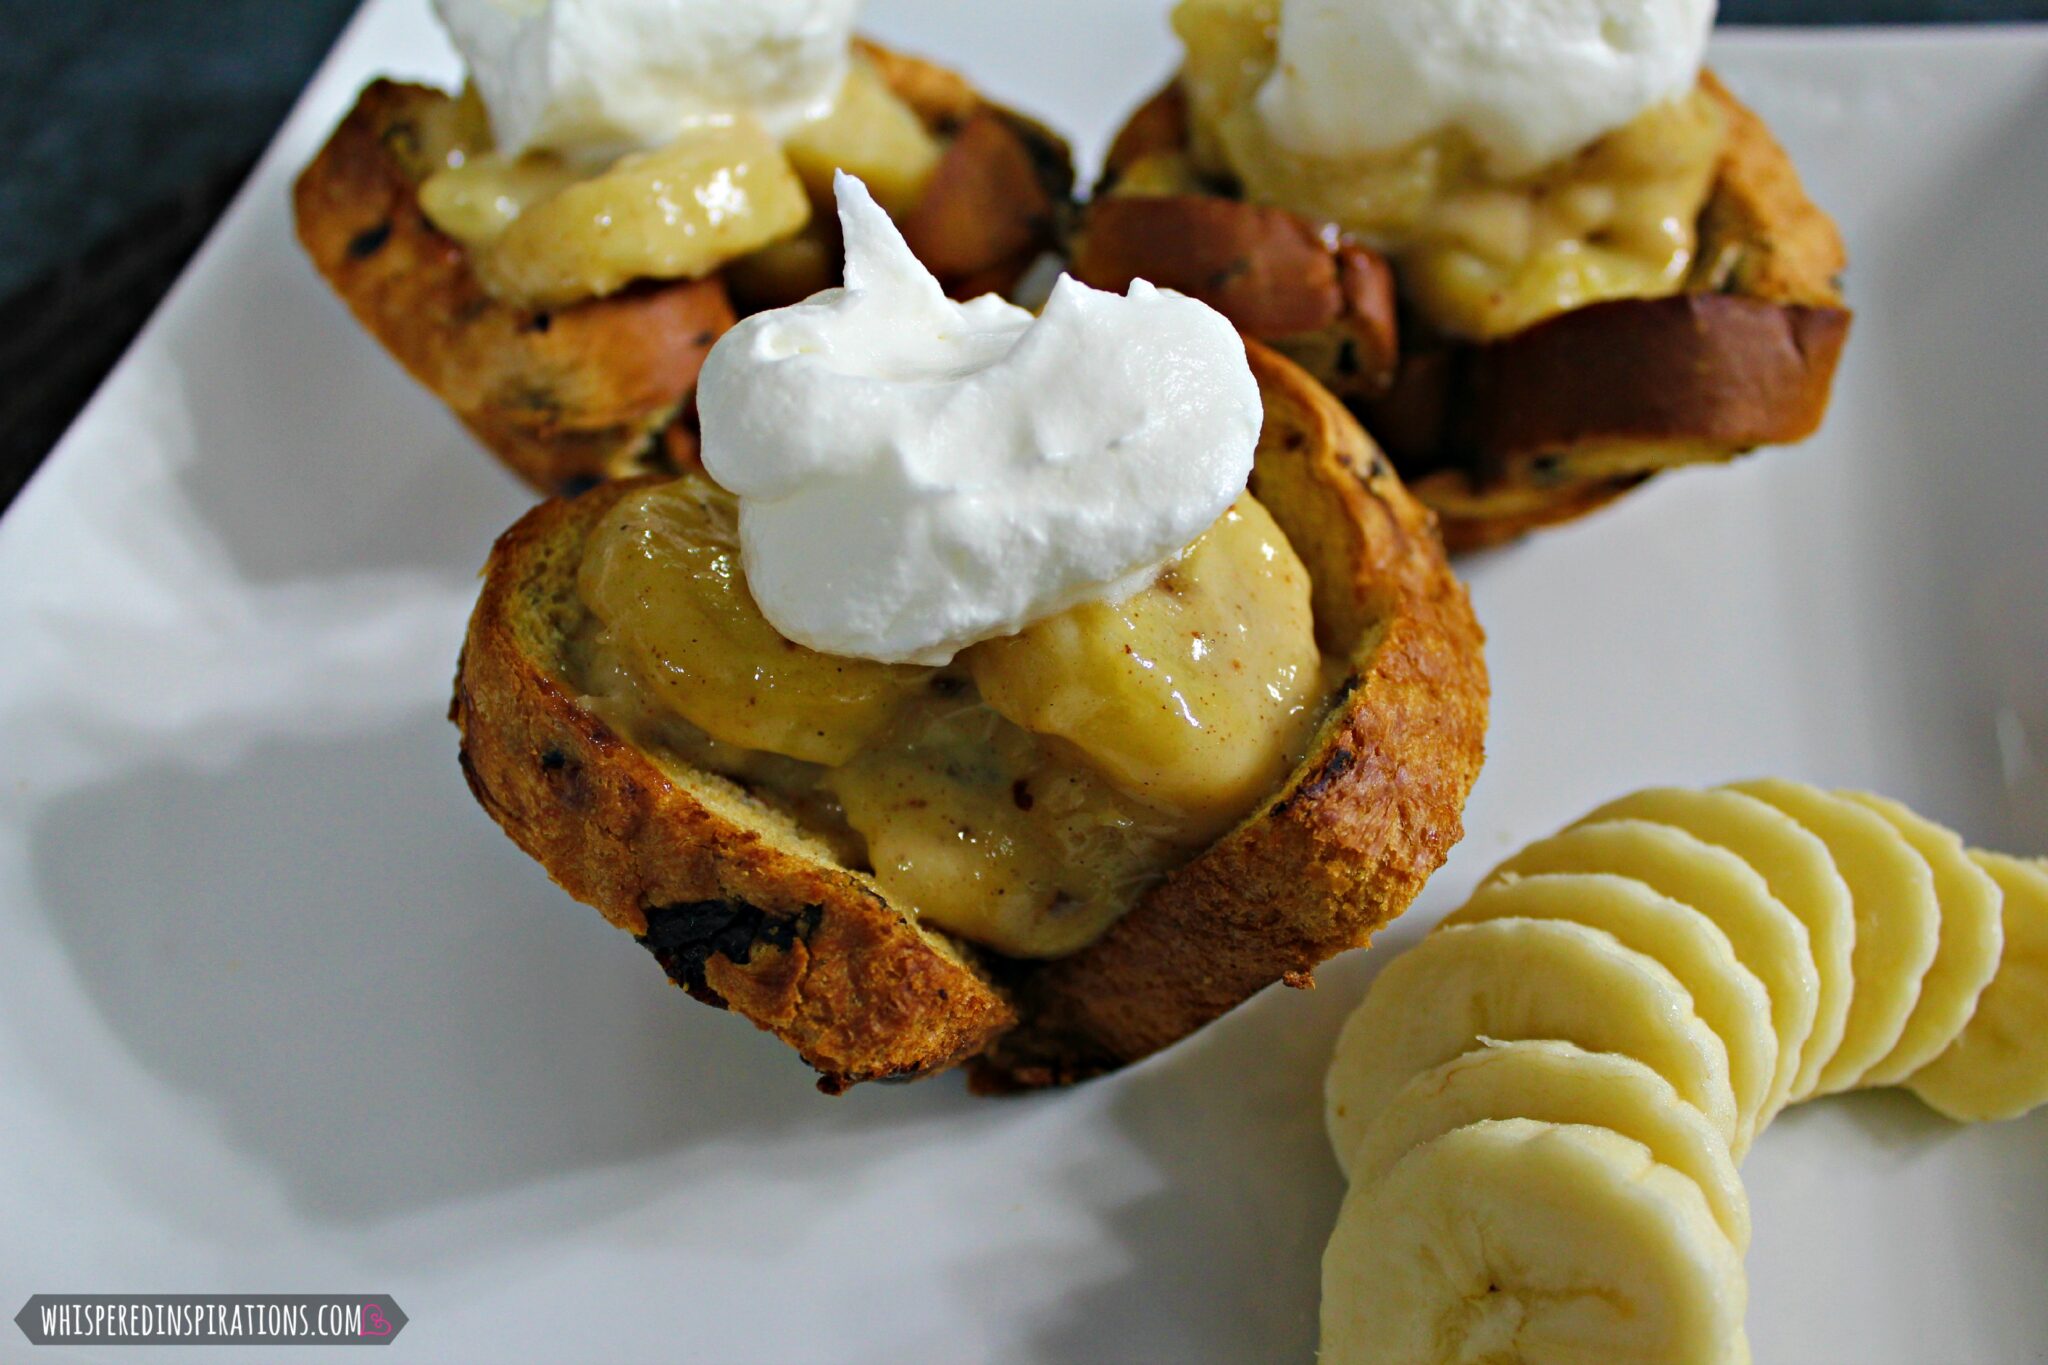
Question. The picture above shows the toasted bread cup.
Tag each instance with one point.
(1546, 425)
(601, 389)
(747, 912)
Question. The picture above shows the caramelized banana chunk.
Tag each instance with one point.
(1193, 694)
(663, 575)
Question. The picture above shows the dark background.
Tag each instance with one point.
(126, 124)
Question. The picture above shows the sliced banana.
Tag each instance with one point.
(678, 212)
(666, 578)
(1726, 994)
(1966, 951)
(1800, 872)
(1192, 693)
(869, 132)
(1556, 1082)
(1767, 938)
(1521, 1241)
(1897, 922)
(1998, 1067)
(1519, 978)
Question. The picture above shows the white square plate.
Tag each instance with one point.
(281, 1010)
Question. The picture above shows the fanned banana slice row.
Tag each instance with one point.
(1541, 1107)
(1534, 1242)
(1801, 874)
(1766, 937)
(1997, 1068)
(1519, 978)
(1967, 946)
(1726, 994)
(1897, 922)
(1554, 1082)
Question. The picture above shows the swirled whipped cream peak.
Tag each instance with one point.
(603, 77)
(1530, 81)
(915, 474)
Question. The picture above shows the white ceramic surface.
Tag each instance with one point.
(281, 1010)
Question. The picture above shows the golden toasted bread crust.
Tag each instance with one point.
(1559, 420)
(738, 913)
(1496, 520)
(564, 397)
(1549, 424)
(744, 913)
(569, 397)
(1759, 234)
(943, 98)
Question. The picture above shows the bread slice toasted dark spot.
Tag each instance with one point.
(741, 908)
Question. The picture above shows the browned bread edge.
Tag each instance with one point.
(736, 916)
(564, 397)
(1359, 827)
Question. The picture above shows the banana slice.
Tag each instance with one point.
(1558, 1083)
(1767, 938)
(869, 132)
(1726, 994)
(1799, 871)
(715, 194)
(1897, 922)
(1519, 978)
(1966, 951)
(1533, 1242)
(1998, 1067)
(665, 578)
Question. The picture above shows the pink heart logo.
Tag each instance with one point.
(374, 1322)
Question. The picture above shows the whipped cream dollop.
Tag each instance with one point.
(1530, 81)
(604, 77)
(916, 474)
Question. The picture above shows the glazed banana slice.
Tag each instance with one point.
(1558, 1083)
(1533, 1242)
(1998, 1067)
(1897, 922)
(1519, 978)
(1726, 994)
(718, 192)
(1767, 938)
(1799, 871)
(1966, 951)
(665, 578)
